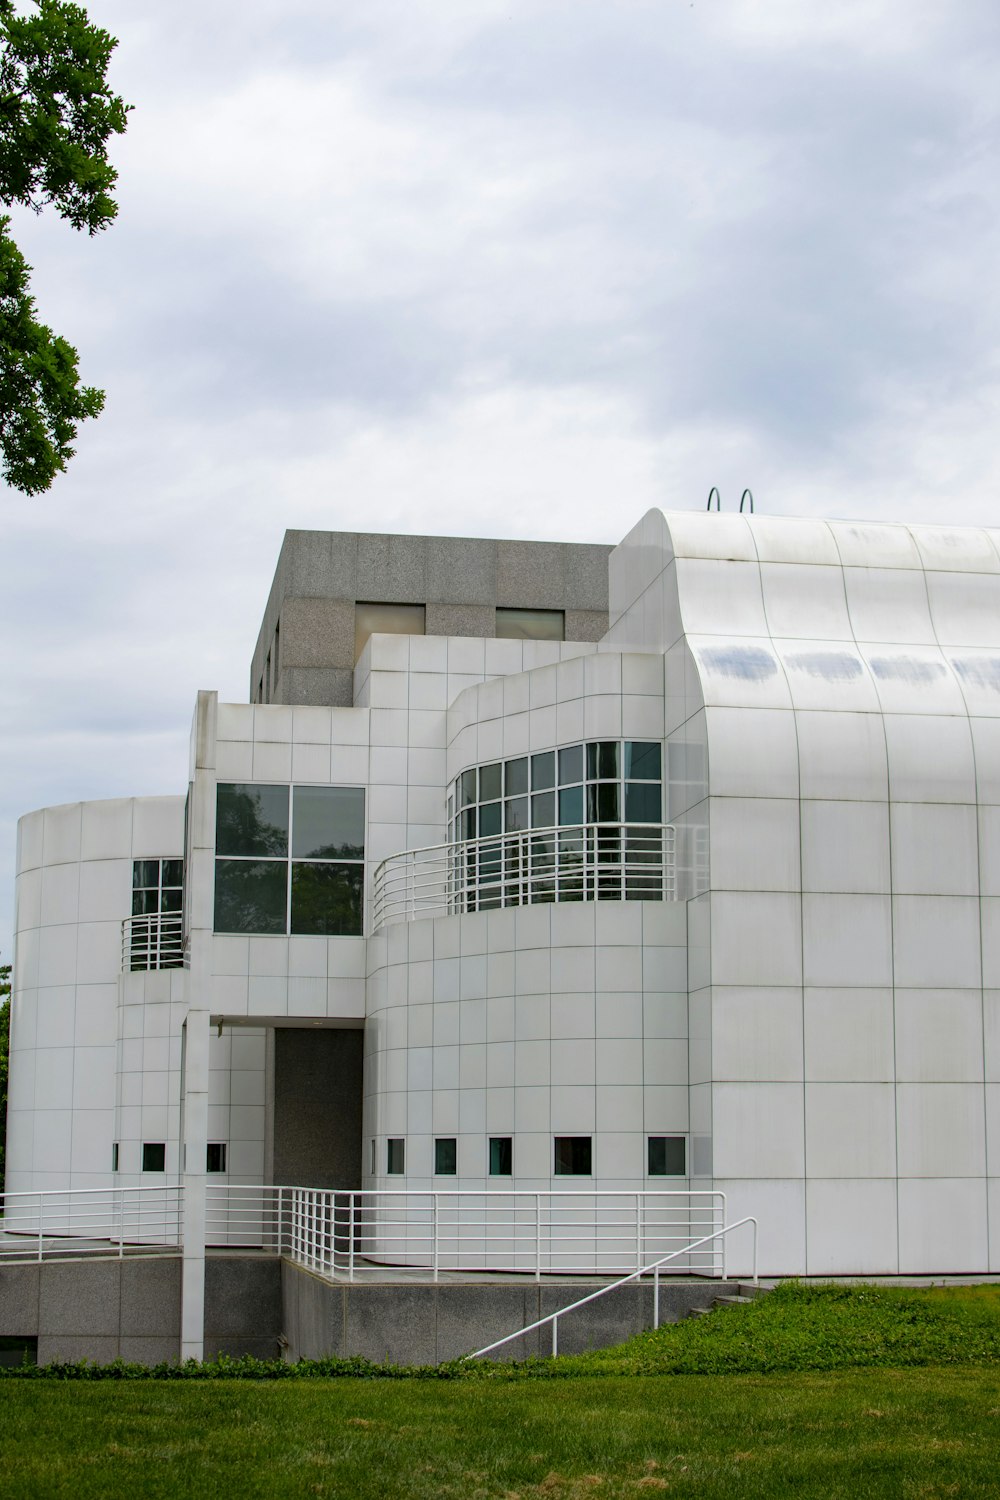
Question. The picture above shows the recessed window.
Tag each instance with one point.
(114, 1157)
(531, 624)
(289, 859)
(501, 1156)
(371, 1158)
(154, 1156)
(395, 1157)
(445, 1156)
(667, 1156)
(215, 1156)
(572, 1156)
(386, 619)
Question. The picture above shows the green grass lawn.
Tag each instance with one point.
(811, 1391)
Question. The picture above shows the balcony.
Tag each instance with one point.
(152, 942)
(585, 862)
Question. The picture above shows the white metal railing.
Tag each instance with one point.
(153, 942)
(582, 862)
(351, 1234)
(652, 1269)
(53, 1224)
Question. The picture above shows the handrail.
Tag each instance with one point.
(522, 867)
(603, 1291)
(154, 940)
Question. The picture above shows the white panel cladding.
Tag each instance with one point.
(531, 1022)
(74, 889)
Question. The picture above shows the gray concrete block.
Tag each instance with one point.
(470, 1316)
(396, 1323)
(65, 1348)
(586, 624)
(585, 575)
(150, 1351)
(391, 569)
(324, 687)
(19, 1288)
(80, 1298)
(608, 1320)
(317, 633)
(236, 1345)
(151, 1298)
(461, 619)
(460, 570)
(243, 1296)
(312, 1314)
(320, 563)
(530, 575)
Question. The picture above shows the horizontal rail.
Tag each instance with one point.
(153, 942)
(653, 1269)
(579, 862)
(56, 1223)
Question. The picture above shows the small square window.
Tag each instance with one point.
(215, 1157)
(114, 1157)
(501, 1156)
(667, 1156)
(572, 1156)
(154, 1156)
(445, 1156)
(395, 1157)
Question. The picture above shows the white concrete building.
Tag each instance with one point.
(705, 898)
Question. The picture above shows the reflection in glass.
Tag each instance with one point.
(326, 899)
(251, 819)
(642, 802)
(445, 1156)
(173, 872)
(543, 771)
(571, 764)
(602, 759)
(571, 805)
(530, 624)
(146, 873)
(251, 895)
(490, 819)
(602, 802)
(642, 760)
(543, 809)
(501, 1156)
(667, 1156)
(517, 776)
(468, 787)
(489, 782)
(516, 813)
(328, 822)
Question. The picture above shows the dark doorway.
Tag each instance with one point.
(317, 1107)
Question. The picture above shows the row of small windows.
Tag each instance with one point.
(289, 859)
(602, 781)
(154, 1156)
(666, 1156)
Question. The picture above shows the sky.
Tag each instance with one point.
(486, 267)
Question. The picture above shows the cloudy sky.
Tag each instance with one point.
(498, 267)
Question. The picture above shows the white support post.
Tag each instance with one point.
(194, 1146)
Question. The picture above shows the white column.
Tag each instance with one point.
(194, 1143)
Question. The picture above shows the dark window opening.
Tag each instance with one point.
(215, 1156)
(501, 1156)
(114, 1157)
(395, 1157)
(572, 1156)
(445, 1156)
(154, 1156)
(667, 1156)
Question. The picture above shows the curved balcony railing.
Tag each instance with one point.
(153, 942)
(584, 862)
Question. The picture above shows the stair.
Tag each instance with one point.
(740, 1299)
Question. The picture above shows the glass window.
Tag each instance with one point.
(642, 802)
(328, 822)
(501, 1156)
(516, 776)
(667, 1156)
(642, 760)
(395, 1156)
(571, 805)
(251, 895)
(445, 1156)
(570, 764)
(215, 1156)
(543, 771)
(531, 624)
(489, 782)
(516, 813)
(467, 823)
(157, 886)
(490, 819)
(467, 791)
(543, 810)
(572, 1155)
(114, 1157)
(326, 899)
(386, 619)
(251, 819)
(602, 760)
(602, 802)
(154, 1156)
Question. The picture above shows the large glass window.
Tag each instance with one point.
(386, 619)
(531, 624)
(289, 859)
(572, 1156)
